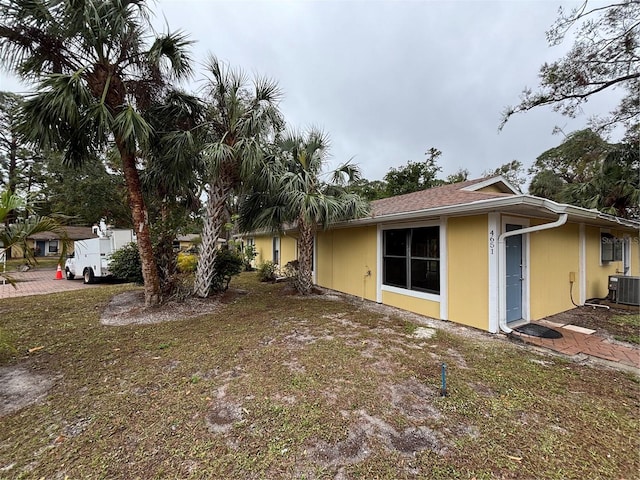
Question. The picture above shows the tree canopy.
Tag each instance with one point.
(414, 176)
(512, 171)
(408, 178)
(97, 67)
(292, 192)
(605, 55)
(587, 171)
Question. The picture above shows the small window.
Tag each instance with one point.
(610, 248)
(53, 246)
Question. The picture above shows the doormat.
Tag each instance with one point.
(536, 330)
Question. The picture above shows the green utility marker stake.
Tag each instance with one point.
(443, 388)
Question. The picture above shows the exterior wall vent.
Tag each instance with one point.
(624, 289)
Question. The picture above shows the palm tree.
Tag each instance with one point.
(173, 174)
(241, 119)
(293, 193)
(96, 74)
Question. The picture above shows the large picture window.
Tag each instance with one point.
(411, 259)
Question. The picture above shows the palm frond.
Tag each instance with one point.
(346, 173)
(56, 111)
(172, 47)
(9, 202)
(267, 90)
(131, 129)
(299, 195)
(218, 155)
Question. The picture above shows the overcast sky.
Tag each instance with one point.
(388, 80)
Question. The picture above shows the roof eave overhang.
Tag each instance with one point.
(576, 214)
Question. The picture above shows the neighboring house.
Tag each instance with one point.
(49, 244)
(279, 249)
(191, 241)
(476, 253)
(182, 243)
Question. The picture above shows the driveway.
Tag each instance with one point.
(38, 282)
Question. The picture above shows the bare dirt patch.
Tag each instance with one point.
(21, 388)
(128, 308)
(412, 397)
(351, 450)
(222, 416)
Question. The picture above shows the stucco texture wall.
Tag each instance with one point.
(597, 272)
(417, 305)
(345, 256)
(635, 255)
(288, 249)
(468, 274)
(554, 254)
(264, 249)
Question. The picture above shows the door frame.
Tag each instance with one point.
(626, 255)
(42, 245)
(276, 250)
(526, 283)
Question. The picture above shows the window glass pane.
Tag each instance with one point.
(606, 240)
(425, 242)
(395, 272)
(53, 246)
(395, 242)
(425, 275)
(617, 250)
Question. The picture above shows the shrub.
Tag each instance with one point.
(227, 264)
(187, 262)
(291, 269)
(125, 264)
(248, 255)
(267, 271)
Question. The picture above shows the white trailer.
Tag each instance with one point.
(91, 257)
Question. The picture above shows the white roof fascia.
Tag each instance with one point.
(492, 181)
(621, 221)
(492, 203)
(588, 214)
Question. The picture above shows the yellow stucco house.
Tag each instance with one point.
(477, 253)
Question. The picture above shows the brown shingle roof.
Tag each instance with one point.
(74, 233)
(443, 196)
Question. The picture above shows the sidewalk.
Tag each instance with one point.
(577, 340)
(38, 282)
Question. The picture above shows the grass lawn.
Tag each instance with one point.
(631, 324)
(277, 386)
(41, 262)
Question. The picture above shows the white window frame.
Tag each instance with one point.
(404, 291)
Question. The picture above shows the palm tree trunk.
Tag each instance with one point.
(152, 296)
(211, 228)
(304, 282)
(11, 186)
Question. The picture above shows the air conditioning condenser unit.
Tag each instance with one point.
(624, 290)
